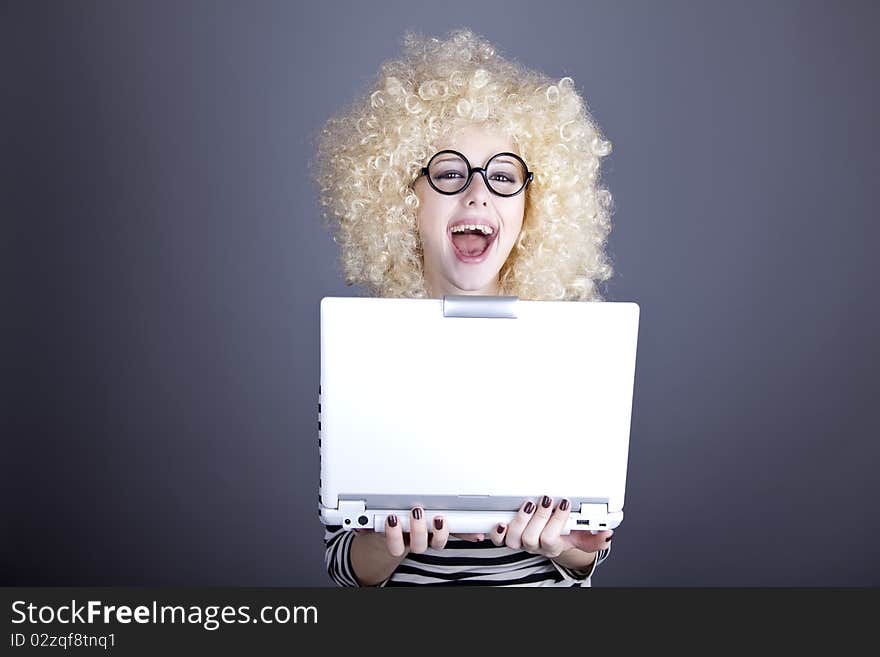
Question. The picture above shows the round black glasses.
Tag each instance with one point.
(505, 174)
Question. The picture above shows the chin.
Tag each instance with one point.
(472, 284)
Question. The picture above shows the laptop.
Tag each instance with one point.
(470, 405)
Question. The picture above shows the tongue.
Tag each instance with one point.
(470, 245)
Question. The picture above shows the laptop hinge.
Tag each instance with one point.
(594, 510)
(352, 507)
(463, 305)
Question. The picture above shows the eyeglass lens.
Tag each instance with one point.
(449, 173)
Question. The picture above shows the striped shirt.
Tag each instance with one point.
(461, 562)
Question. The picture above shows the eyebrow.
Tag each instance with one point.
(452, 158)
(448, 158)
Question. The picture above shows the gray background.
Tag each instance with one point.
(166, 261)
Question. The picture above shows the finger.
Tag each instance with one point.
(470, 537)
(550, 540)
(394, 537)
(531, 536)
(517, 525)
(418, 531)
(440, 534)
(498, 534)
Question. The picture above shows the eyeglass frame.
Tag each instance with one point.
(481, 170)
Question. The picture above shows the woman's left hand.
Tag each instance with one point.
(536, 529)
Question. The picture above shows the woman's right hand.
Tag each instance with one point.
(418, 539)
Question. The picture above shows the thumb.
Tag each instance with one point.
(587, 541)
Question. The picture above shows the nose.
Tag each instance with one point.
(477, 193)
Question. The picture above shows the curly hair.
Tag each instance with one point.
(369, 155)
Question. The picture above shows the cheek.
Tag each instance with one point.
(426, 225)
(514, 218)
(430, 217)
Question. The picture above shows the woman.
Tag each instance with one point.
(461, 172)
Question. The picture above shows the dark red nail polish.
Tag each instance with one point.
(392, 521)
(500, 529)
(545, 501)
(417, 513)
(608, 540)
(438, 523)
(529, 507)
(564, 505)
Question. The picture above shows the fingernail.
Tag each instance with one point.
(545, 501)
(392, 521)
(500, 529)
(529, 507)
(564, 505)
(608, 540)
(438, 523)
(417, 513)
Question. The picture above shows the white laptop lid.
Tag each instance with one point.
(470, 414)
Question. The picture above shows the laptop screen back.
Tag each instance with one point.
(417, 407)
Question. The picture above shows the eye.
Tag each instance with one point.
(449, 175)
(501, 177)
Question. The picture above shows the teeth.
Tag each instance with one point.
(486, 230)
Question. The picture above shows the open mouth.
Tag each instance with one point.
(471, 243)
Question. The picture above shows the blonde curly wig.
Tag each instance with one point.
(369, 155)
